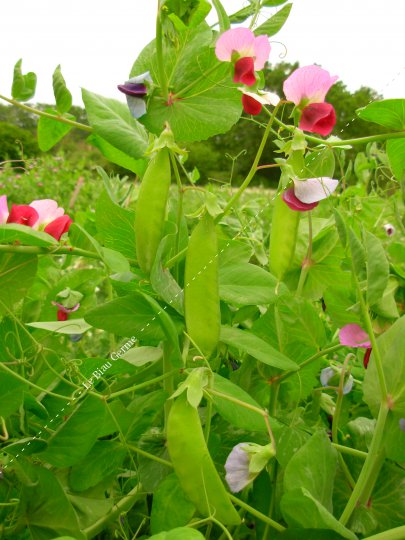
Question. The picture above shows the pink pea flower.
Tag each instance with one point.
(352, 335)
(306, 194)
(253, 102)
(245, 50)
(3, 209)
(51, 217)
(318, 118)
(23, 215)
(307, 88)
(63, 312)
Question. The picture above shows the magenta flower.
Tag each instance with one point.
(307, 88)
(318, 118)
(306, 194)
(3, 209)
(22, 215)
(308, 84)
(352, 335)
(253, 102)
(245, 50)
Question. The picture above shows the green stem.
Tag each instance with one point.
(351, 451)
(159, 55)
(359, 140)
(392, 534)
(253, 168)
(47, 115)
(256, 513)
(142, 385)
(149, 456)
(178, 257)
(123, 505)
(319, 354)
(368, 466)
(368, 488)
(306, 265)
(51, 250)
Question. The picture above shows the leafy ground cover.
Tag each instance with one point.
(185, 361)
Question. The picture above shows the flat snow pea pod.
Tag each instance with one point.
(151, 208)
(283, 237)
(193, 464)
(201, 288)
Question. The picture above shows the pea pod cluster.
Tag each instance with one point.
(193, 464)
(283, 237)
(201, 294)
(151, 209)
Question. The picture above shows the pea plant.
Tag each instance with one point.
(189, 360)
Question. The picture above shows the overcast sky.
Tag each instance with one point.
(96, 42)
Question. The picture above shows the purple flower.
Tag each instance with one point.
(135, 91)
(328, 373)
(245, 462)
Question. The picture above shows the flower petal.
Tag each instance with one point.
(352, 335)
(133, 89)
(265, 98)
(237, 468)
(318, 118)
(23, 214)
(136, 105)
(326, 374)
(295, 204)
(251, 105)
(58, 226)
(239, 40)
(3, 209)
(47, 209)
(314, 189)
(309, 83)
(244, 71)
(261, 51)
(389, 229)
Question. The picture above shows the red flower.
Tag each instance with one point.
(294, 203)
(318, 118)
(23, 214)
(250, 105)
(245, 71)
(62, 315)
(366, 358)
(58, 226)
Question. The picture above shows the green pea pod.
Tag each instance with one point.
(193, 464)
(201, 289)
(151, 209)
(283, 237)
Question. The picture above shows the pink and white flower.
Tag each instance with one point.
(253, 102)
(245, 50)
(3, 209)
(352, 335)
(306, 194)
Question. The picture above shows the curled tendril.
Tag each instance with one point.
(282, 55)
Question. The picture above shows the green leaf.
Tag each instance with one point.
(394, 439)
(233, 413)
(320, 163)
(11, 394)
(396, 156)
(50, 132)
(313, 468)
(62, 95)
(17, 272)
(377, 268)
(388, 112)
(139, 356)
(208, 103)
(170, 508)
(301, 509)
(23, 88)
(181, 533)
(392, 348)
(112, 121)
(223, 19)
(249, 343)
(247, 284)
(47, 512)
(69, 327)
(340, 226)
(74, 437)
(162, 280)
(275, 23)
(242, 14)
(358, 254)
(103, 460)
(130, 315)
(13, 232)
(28, 445)
(137, 166)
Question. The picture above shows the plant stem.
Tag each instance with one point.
(317, 355)
(159, 55)
(392, 534)
(149, 456)
(58, 250)
(141, 385)
(306, 265)
(253, 168)
(359, 140)
(368, 464)
(351, 451)
(256, 513)
(47, 115)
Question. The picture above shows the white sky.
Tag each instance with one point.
(97, 41)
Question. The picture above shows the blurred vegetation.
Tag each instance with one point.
(222, 159)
